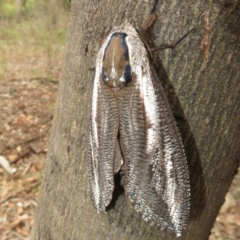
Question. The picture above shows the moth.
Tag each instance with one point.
(133, 130)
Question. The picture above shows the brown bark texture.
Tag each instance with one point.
(201, 79)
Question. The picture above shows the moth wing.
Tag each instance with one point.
(104, 159)
(155, 168)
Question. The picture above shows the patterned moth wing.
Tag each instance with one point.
(131, 116)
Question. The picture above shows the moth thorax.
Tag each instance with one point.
(116, 68)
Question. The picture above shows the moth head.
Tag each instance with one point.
(116, 68)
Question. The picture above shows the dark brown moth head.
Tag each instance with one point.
(116, 69)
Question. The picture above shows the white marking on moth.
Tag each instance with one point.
(122, 79)
(94, 111)
(170, 193)
(94, 125)
(113, 73)
(148, 213)
(96, 179)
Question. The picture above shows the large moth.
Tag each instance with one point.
(133, 130)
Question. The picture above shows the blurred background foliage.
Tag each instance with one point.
(10, 9)
(32, 45)
(32, 30)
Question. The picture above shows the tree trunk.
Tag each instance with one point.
(201, 79)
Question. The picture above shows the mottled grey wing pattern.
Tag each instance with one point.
(103, 145)
(156, 172)
(134, 110)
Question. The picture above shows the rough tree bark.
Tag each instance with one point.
(201, 78)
